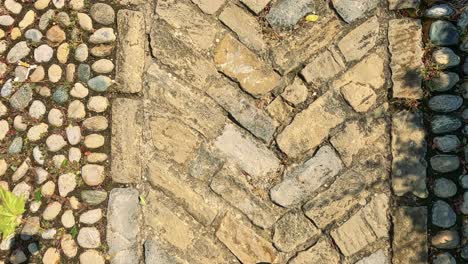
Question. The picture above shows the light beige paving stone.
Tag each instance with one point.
(368, 72)
(279, 110)
(409, 151)
(126, 140)
(209, 6)
(160, 175)
(174, 139)
(130, 51)
(238, 62)
(256, 5)
(343, 195)
(183, 61)
(197, 28)
(244, 25)
(410, 243)
(364, 228)
(322, 68)
(294, 230)
(185, 236)
(296, 49)
(302, 181)
(310, 127)
(295, 93)
(199, 111)
(360, 97)
(378, 257)
(405, 45)
(250, 155)
(244, 109)
(321, 252)
(359, 41)
(248, 246)
(230, 184)
(123, 225)
(364, 136)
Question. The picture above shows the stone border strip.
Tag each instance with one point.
(409, 145)
(125, 216)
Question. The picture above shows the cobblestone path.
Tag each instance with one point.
(233, 131)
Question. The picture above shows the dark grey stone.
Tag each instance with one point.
(441, 124)
(445, 163)
(21, 98)
(84, 72)
(445, 103)
(443, 215)
(447, 143)
(443, 33)
(463, 20)
(16, 146)
(444, 188)
(444, 258)
(60, 95)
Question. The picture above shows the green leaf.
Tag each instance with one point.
(12, 203)
(64, 163)
(74, 231)
(10, 209)
(38, 195)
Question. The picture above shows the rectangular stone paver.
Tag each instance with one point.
(405, 45)
(130, 51)
(364, 136)
(238, 62)
(300, 182)
(181, 59)
(182, 236)
(209, 6)
(123, 226)
(171, 95)
(322, 68)
(409, 151)
(256, 5)
(199, 31)
(250, 155)
(410, 235)
(310, 127)
(322, 252)
(228, 185)
(365, 227)
(244, 25)
(174, 139)
(248, 246)
(126, 140)
(243, 108)
(342, 196)
(295, 50)
(360, 40)
(160, 175)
